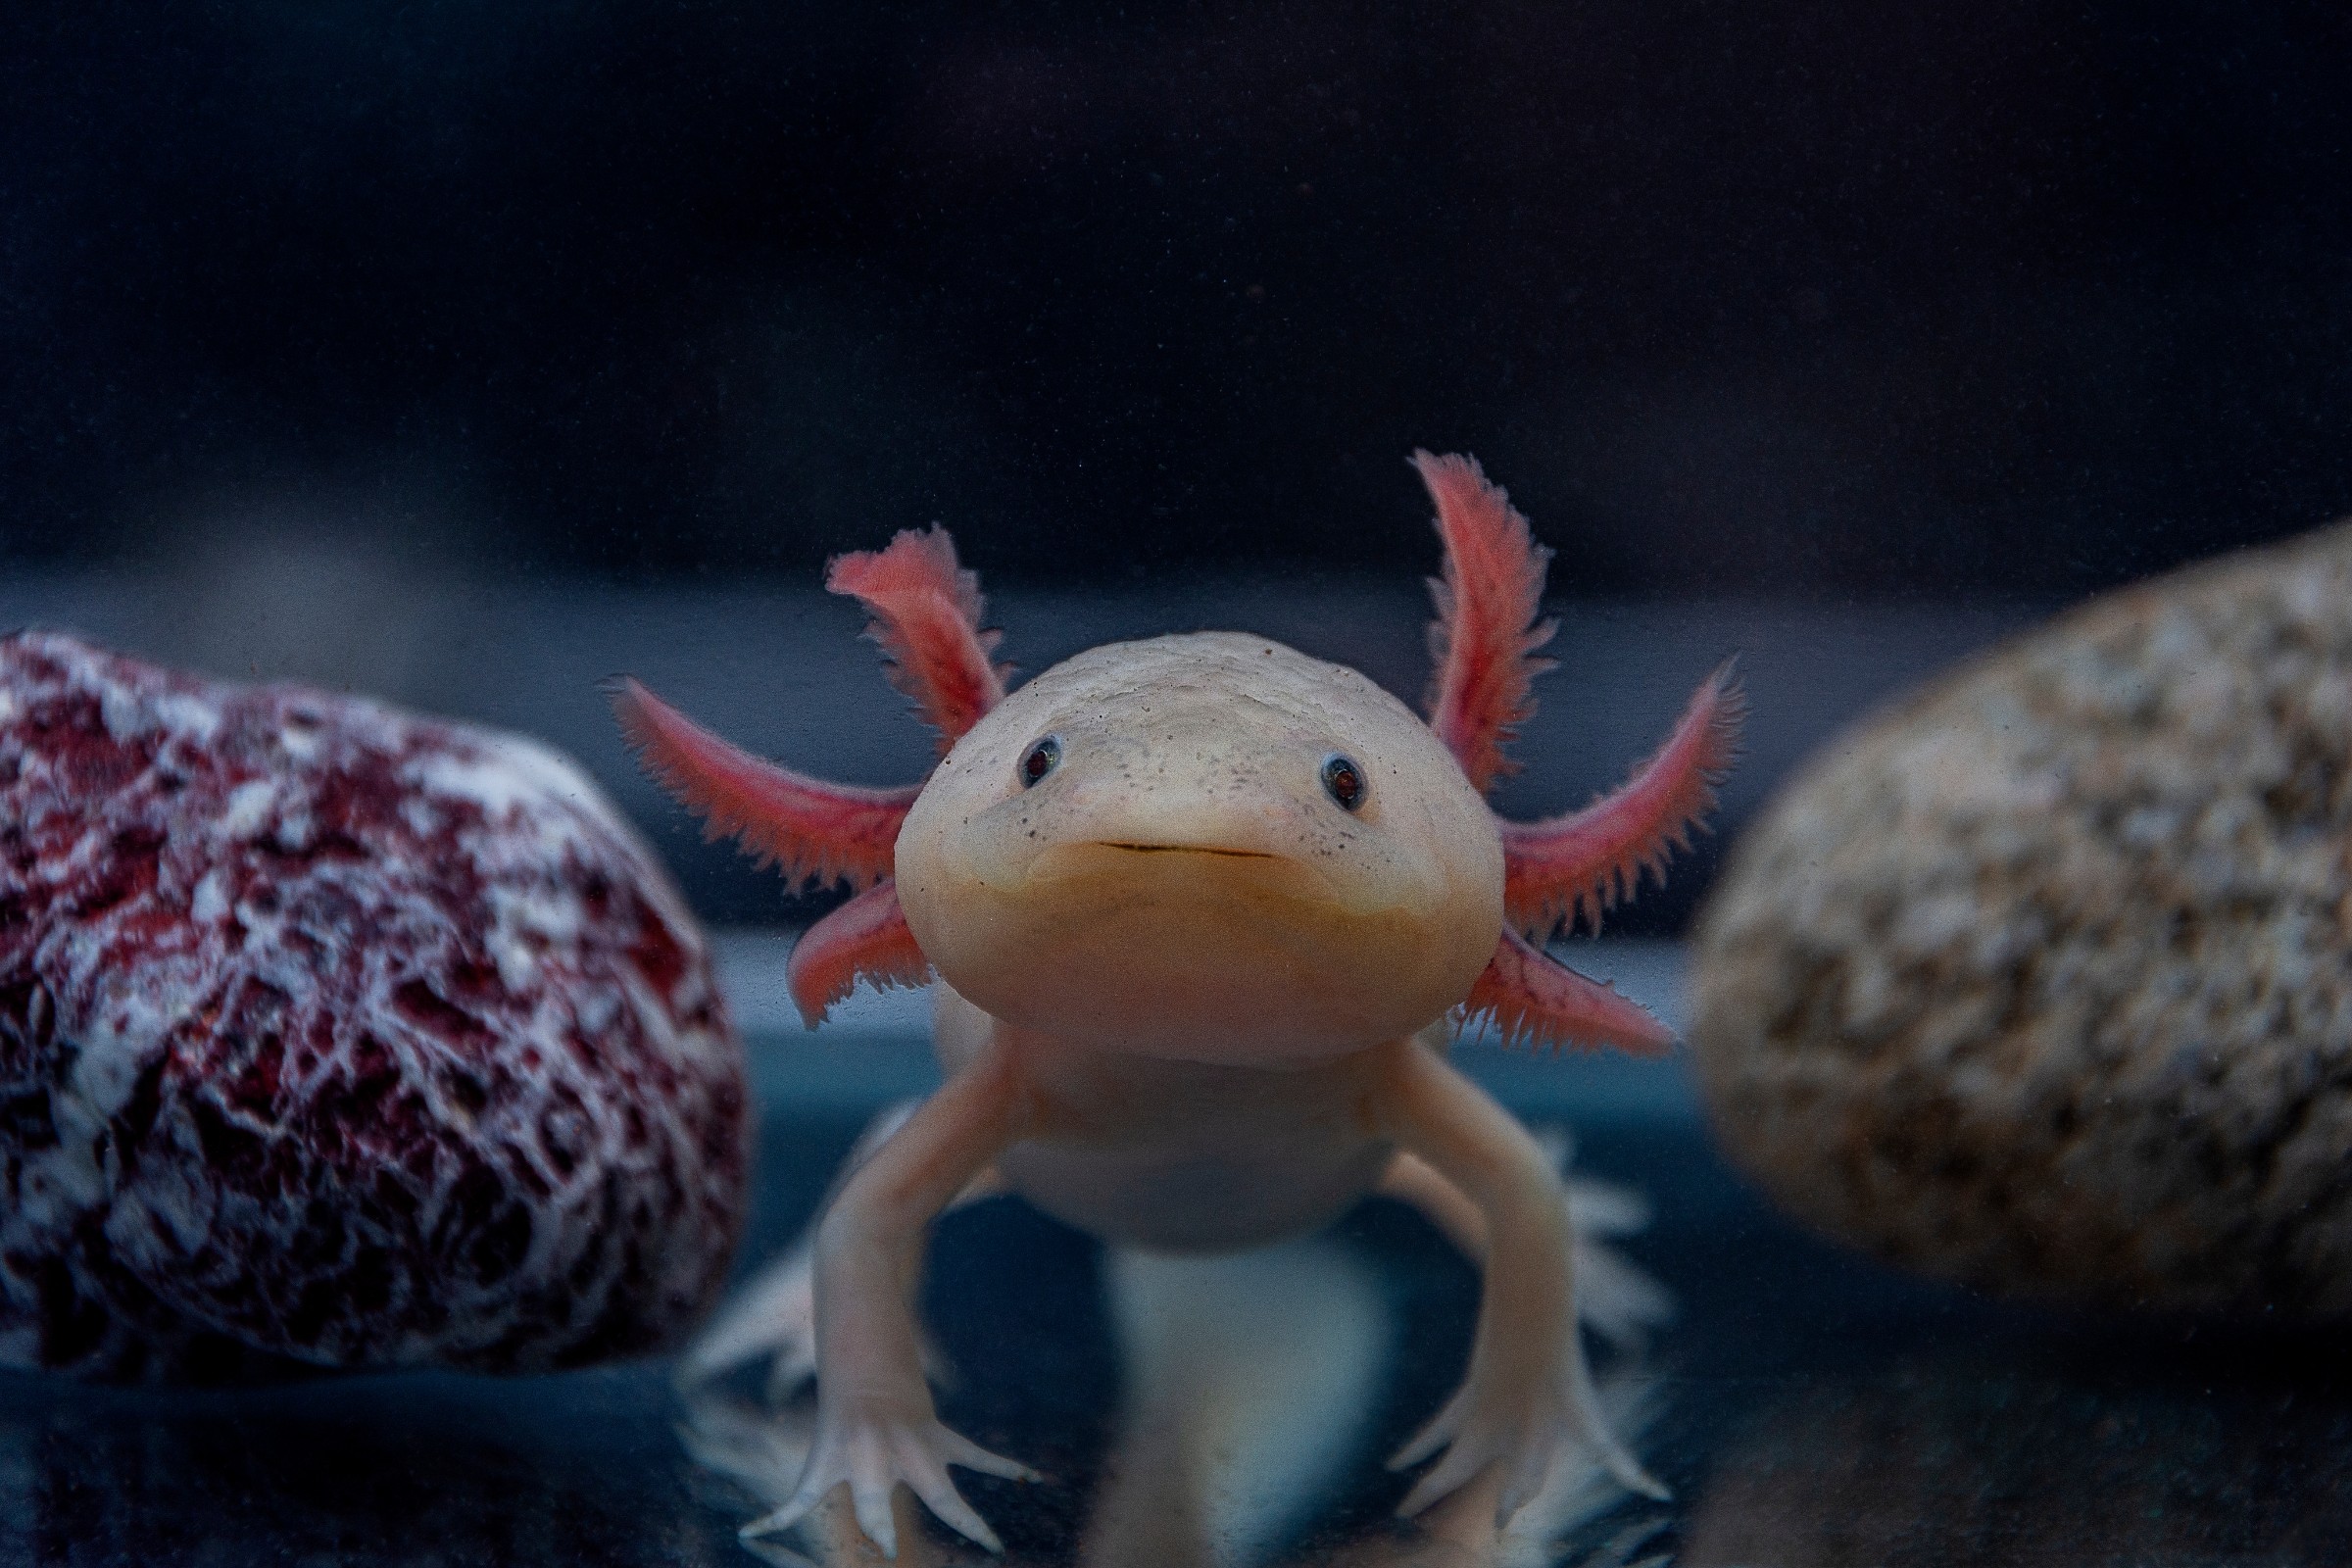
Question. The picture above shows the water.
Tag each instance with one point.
(1805, 1407)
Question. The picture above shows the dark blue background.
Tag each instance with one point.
(1815, 298)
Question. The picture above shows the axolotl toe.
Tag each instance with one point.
(1205, 914)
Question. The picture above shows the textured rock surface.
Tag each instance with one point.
(2043, 980)
(334, 1034)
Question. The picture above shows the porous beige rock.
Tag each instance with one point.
(2042, 979)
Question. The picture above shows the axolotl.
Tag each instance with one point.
(1205, 914)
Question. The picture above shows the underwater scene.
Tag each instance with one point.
(1293, 787)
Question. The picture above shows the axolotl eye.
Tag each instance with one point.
(1041, 760)
(1344, 781)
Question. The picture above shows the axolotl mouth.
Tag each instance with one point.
(1188, 849)
(1194, 879)
(1203, 951)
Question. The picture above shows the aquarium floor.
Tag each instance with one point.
(1806, 1408)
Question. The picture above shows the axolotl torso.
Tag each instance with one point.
(1204, 914)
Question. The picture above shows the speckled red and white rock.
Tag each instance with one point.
(335, 1034)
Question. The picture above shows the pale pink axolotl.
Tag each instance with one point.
(1205, 914)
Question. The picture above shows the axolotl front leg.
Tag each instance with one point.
(1525, 1402)
(1528, 1394)
(877, 1423)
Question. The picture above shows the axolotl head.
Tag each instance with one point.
(1211, 848)
(1207, 847)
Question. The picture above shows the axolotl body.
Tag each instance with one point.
(1204, 914)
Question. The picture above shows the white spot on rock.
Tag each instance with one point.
(208, 904)
(247, 808)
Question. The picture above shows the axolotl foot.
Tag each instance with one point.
(872, 1449)
(1529, 1430)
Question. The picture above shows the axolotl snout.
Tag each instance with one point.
(1205, 914)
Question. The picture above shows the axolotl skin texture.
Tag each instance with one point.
(1205, 914)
